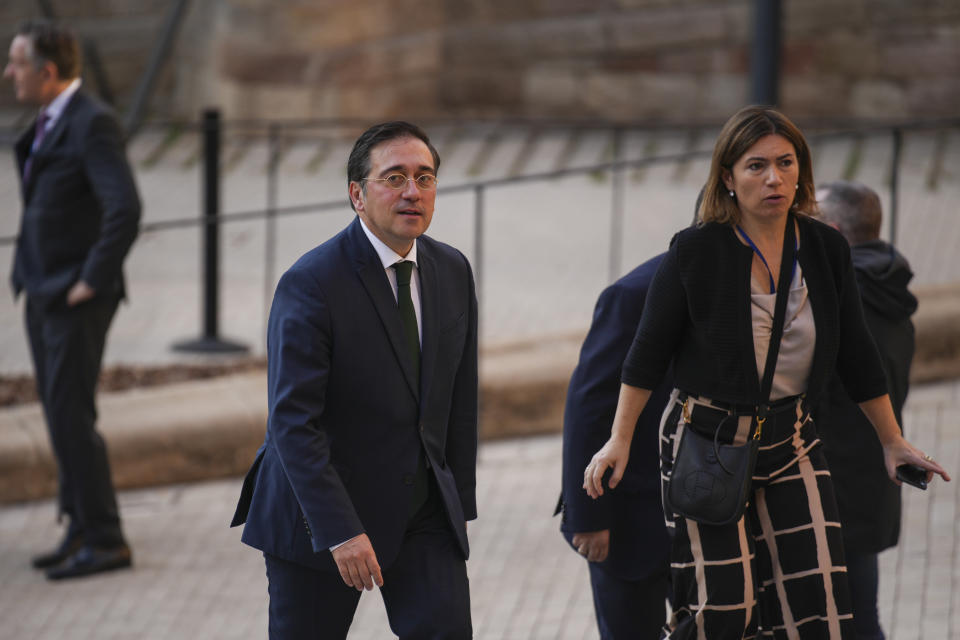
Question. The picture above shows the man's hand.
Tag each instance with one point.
(593, 545)
(79, 292)
(358, 563)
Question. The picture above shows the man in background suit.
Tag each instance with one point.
(622, 535)
(80, 216)
(367, 473)
(869, 502)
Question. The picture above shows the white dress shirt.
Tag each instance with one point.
(389, 257)
(57, 105)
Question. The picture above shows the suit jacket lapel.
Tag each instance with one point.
(48, 143)
(22, 151)
(428, 317)
(22, 146)
(371, 274)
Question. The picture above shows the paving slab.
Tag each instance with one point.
(192, 578)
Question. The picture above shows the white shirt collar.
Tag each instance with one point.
(388, 256)
(58, 104)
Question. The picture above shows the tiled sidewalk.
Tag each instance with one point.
(193, 578)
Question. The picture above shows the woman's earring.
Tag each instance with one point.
(732, 194)
(796, 186)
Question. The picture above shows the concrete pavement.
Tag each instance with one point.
(192, 578)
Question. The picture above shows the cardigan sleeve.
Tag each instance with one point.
(858, 360)
(661, 326)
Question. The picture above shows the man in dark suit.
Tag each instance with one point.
(622, 534)
(80, 216)
(367, 473)
(869, 502)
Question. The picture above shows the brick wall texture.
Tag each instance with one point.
(678, 60)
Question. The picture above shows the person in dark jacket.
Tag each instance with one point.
(81, 214)
(367, 473)
(869, 503)
(621, 535)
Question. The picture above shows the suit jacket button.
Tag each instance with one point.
(421, 427)
(408, 479)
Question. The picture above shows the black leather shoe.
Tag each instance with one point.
(69, 546)
(89, 560)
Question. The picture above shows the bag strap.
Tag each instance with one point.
(779, 317)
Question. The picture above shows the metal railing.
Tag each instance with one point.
(278, 134)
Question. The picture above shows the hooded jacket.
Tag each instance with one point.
(869, 501)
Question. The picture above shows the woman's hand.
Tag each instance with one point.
(613, 455)
(898, 451)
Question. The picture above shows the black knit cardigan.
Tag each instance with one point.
(698, 315)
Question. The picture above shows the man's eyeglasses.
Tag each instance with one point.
(424, 182)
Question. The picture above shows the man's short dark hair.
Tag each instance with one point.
(358, 166)
(854, 208)
(54, 43)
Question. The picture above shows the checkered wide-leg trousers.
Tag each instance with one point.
(779, 571)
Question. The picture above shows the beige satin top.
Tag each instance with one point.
(799, 335)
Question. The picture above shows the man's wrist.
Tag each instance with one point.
(340, 544)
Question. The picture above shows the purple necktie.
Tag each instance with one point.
(38, 134)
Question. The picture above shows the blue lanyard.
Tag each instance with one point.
(773, 286)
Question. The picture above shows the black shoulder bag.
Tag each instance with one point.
(710, 482)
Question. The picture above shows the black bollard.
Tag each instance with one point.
(209, 341)
(765, 52)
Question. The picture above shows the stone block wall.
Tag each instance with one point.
(670, 60)
(677, 60)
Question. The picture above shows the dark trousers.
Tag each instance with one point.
(864, 581)
(425, 590)
(634, 609)
(67, 348)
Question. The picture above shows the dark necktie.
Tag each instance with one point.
(38, 134)
(408, 315)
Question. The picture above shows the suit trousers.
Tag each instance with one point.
(633, 609)
(425, 591)
(67, 347)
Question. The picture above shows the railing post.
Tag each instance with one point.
(270, 221)
(209, 342)
(478, 272)
(211, 228)
(895, 182)
(478, 266)
(616, 207)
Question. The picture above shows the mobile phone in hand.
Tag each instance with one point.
(913, 475)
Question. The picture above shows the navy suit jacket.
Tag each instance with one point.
(81, 209)
(345, 422)
(633, 512)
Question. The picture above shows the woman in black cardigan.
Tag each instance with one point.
(778, 570)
